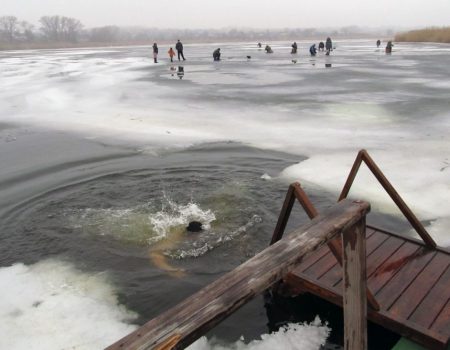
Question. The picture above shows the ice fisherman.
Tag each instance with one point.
(328, 45)
(216, 54)
(259, 45)
(171, 54)
(294, 48)
(321, 46)
(179, 48)
(378, 43)
(155, 52)
(389, 47)
(157, 251)
(313, 50)
(268, 49)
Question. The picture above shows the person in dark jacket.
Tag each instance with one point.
(313, 50)
(294, 48)
(268, 49)
(321, 46)
(179, 48)
(328, 45)
(389, 47)
(155, 52)
(216, 54)
(378, 43)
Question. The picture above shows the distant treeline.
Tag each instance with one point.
(60, 31)
(434, 34)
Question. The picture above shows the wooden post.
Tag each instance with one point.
(355, 289)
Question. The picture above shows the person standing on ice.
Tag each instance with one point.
(378, 43)
(171, 54)
(179, 48)
(216, 54)
(328, 45)
(155, 52)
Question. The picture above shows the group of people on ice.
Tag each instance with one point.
(327, 47)
(171, 52)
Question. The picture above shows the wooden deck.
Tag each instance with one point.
(410, 282)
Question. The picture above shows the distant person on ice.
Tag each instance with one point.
(294, 48)
(389, 47)
(378, 43)
(179, 48)
(155, 52)
(216, 54)
(171, 54)
(313, 50)
(259, 45)
(268, 49)
(321, 46)
(328, 45)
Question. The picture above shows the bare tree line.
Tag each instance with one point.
(61, 29)
(53, 28)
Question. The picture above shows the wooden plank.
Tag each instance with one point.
(390, 267)
(419, 288)
(313, 258)
(334, 276)
(322, 266)
(434, 302)
(197, 314)
(397, 285)
(409, 238)
(384, 253)
(426, 337)
(429, 338)
(442, 322)
(355, 290)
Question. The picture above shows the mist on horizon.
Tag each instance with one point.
(259, 14)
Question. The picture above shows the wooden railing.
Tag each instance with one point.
(193, 317)
(363, 156)
(295, 191)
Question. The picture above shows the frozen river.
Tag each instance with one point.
(104, 155)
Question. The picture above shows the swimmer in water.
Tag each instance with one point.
(157, 255)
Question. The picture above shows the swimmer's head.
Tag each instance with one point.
(194, 226)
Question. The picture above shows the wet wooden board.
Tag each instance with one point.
(410, 282)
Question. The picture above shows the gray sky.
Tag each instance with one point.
(237, 13)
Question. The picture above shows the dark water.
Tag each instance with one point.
(95, 214)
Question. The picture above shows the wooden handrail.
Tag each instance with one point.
(363, 156)
(296, 191)
(193, 317)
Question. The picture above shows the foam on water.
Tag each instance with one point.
(174, 215)
(292, 337)
(52, 305)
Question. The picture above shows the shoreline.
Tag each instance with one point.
(56, 46)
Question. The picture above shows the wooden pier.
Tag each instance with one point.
(410, 282)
